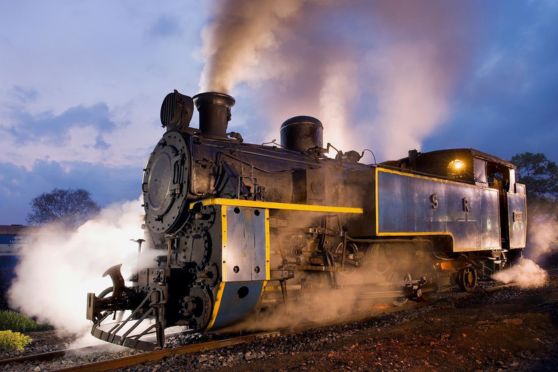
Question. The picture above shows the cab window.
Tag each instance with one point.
(480, 171)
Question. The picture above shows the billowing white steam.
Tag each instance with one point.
(543, 232)
(412, 98)
(378, 74)
(542, 236)
(336, 95)
(58, 267)
(526, 274)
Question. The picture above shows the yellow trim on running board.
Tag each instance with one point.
(275, 205)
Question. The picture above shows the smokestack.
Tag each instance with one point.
(215, 113)
(302, 133)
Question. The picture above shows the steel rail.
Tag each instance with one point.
(157, 355)
(49, 355)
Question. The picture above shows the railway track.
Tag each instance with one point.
(158, 355)
(46, 356)
(132, 360)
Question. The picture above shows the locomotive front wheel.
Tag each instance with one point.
(467, 279)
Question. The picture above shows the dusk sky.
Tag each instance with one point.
(81, 83)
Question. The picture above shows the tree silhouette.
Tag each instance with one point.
(539, 174)
(69, 207)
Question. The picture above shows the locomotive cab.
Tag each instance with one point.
(485, 171)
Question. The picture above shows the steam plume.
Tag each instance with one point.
(58, 267)
(239, 31)
(526, 274)
(542, 233)
(543, 229)
(392, 65)
(362, 292)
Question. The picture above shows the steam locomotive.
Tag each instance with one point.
(243, 227)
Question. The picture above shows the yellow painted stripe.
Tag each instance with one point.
(431, 178)
(221, 288)
(267, 248)
(437, 233)
(223, 242)
(282, 206)
(415, 233)
(217, 305)
(376, 201)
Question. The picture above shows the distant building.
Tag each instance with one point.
(10, 236)
(10, 241)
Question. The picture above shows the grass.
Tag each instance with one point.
(14, 321)
(13, 341)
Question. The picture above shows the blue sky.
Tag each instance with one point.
(81, 84)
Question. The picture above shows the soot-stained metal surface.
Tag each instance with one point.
(165, 183)
(412, 205)
(244, 256)
(517, 220)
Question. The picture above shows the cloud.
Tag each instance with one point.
(121, 135)
(18, 185)
(96, 63)
(506, 103)
(165, 26)
(100, 143)
(80, 107)
(99, 52)
(47, 126)
(24, 94)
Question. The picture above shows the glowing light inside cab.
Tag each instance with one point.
(456, 166)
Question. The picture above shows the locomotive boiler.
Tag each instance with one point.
(241, 227)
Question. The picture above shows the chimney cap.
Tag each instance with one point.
(302, 119)
(214, 98)
(215, 113)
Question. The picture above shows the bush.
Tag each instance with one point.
(13, 341)
(13, 321)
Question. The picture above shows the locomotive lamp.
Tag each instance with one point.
(456, 167)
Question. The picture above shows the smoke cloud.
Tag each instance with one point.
(378, 74)
(58, 267)
(240, 30)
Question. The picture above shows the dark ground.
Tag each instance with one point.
(507, 329)
(510, 329)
